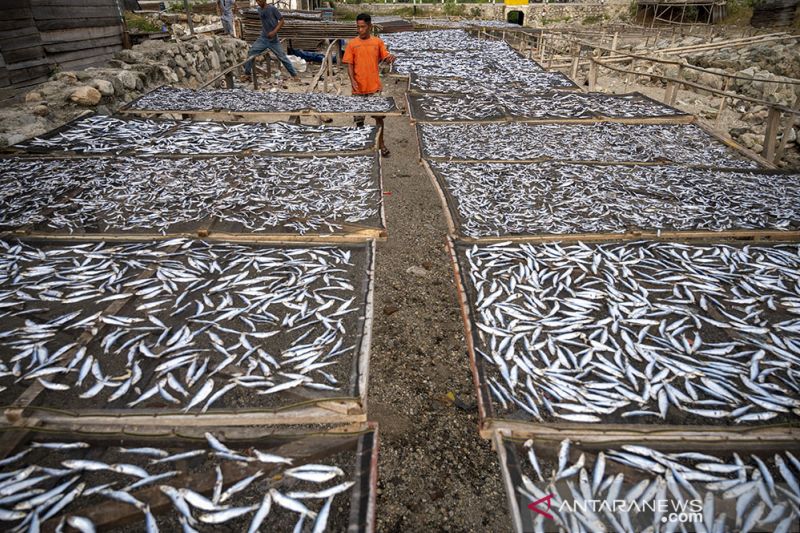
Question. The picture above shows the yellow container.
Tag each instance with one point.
(516, 2)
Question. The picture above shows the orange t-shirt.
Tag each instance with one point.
(365, 54)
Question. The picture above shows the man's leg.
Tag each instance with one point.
(259, 46)
(227, 23)
(277, 49)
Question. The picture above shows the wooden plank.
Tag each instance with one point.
(75, 11)
(21, 13)
(484, 402)
(307, 415)
(8, 5)
(657, 235)
(78, 34)
(736, 146)
(23, 55)
(612, 434)
(67, 23)
(90, 44)
(84, 54)
(68, 3)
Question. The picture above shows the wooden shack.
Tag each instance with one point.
(38, 36)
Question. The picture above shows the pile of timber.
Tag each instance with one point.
(310, 34)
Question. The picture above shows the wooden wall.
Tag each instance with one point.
(39, 35)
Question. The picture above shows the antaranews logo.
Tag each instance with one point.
(664, 510)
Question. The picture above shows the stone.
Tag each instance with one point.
(214, 60)
(390, 309)
(129, 56)
(41, 110)
(66, 76)
(33, 97)
(791, 136)
(749, 140)
(417, 271)
(85, 95)
(102, 110)
(128, 79)
(105, 87)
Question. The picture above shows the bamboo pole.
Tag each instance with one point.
(771, 133)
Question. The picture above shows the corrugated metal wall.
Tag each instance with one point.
(38, 35)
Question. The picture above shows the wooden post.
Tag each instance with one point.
(229, 80)
(786, 130)
(541, 46)
(575, 61)
(668, 92)
(255, 75)
(771, 133)
(593, 69)
(722, 104)
(614, 44)
(188, 16)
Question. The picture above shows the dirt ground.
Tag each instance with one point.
(435, 472)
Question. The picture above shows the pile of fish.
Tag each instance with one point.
(466, 23)
(455, 107)
(100, 134)
(540, 82)
(657, 490)
(57, 483)
(466, 64)
(495, 199)
(643, 332)
(607, 142)
(513, 105)
(155, 194)
(243, 100)
(438, 40)
(179, 323)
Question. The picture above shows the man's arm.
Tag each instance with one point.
(351, 71)
(274, 32)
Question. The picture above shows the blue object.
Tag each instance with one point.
(261, 44)
(311, 57)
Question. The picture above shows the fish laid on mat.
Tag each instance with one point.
(60, 485)
(100, 134)
(606, 142)
(639, 332)
(666, 492)
(496, 199)
(208, 325)
(156, 194)
(243, 100)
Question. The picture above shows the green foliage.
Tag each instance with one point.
(475, 12)
(557, 20)
(593, 19)
(176, 6)
(451, 9)
(739, 12)
(140, 23)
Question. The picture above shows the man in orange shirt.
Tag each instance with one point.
(363, 55)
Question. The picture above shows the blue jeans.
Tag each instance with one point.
(261, 44)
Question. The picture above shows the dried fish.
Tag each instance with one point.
(235, 320)
(150, 194)
(671, 489)
(243, 100)
(495, 199)
(68, 502)
(642, 331)
(606, 142)
(100, 134)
